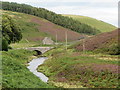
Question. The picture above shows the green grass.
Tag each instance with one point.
(100, 25)
(0, 71)
(15, 72)
(75, 68)
(30, 30)
(25, 44)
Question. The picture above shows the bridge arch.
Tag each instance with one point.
(38, 52)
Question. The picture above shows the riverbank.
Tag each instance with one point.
(15, 72)
(72, 69)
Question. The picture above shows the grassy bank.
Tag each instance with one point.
(15, 72)
(71, 69)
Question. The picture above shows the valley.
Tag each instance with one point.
(84, 52)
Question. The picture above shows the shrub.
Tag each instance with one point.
(4, 45)
(9, 47)
(114, 50)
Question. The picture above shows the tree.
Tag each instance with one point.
(10, 32)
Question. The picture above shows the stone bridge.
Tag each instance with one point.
(39, 50)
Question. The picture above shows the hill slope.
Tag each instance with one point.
(58, 19)
(105, 42)
(35, 28)
(100, 25)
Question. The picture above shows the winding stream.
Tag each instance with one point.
(33, 65)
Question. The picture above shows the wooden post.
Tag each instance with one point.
(56, 37)
(66, 39)
(83, 45)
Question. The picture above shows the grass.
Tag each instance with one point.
(0, 71)
(15, 72)
(21, 45)
(76, 69)
(30, 30)
(100, 25)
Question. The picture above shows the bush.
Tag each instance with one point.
(9, 47)
(114, 50)
(4, 45)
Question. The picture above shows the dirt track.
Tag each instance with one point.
(97, 41)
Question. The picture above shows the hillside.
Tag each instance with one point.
(35, 28)
(100, 25)
(58, 19)
(105, 42)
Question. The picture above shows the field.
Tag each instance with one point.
(100, 25)
(71, 69)
(15, 72)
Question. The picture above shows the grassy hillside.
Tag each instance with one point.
(80, 70)
(100, 25)
(58, 19)
(15, 73)
(34, 29)
(102, 43)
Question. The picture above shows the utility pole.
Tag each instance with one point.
(66, 39)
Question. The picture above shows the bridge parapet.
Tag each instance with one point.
(41, 49)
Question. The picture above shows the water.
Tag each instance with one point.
(33, 65)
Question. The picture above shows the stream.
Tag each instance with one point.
(33, 65)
